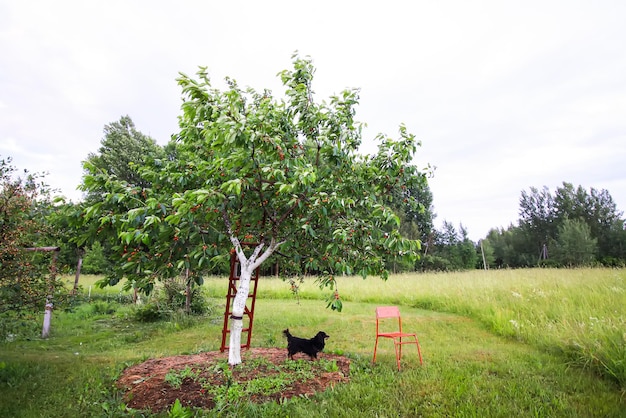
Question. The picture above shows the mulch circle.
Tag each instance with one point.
(145, 386)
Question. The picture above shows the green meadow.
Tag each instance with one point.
(536, 343)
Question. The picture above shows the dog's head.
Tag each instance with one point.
(321, 338)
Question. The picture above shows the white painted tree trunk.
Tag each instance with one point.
(248, 265)
(239, 306)
(47, 318)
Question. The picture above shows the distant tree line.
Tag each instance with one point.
(570, 227)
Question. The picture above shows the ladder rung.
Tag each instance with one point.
(243, 330)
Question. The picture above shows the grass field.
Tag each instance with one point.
(546, 343)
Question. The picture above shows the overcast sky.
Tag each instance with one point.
(504, 95)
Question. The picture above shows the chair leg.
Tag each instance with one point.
(398, 354)
(419, 351)
(375, 347)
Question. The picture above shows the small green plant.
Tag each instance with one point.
(269, 380)
(103, 308)
(228, 395)
(259, 363)
(329, 365)
(268, 385)
(294, 286)
(302, 368)
(179, 411)
(176, 377)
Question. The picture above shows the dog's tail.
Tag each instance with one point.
(286, 333)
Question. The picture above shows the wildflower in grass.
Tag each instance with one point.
(538, 292)
(517, 295)
(514, 323)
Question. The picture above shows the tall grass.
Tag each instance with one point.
(580, 313)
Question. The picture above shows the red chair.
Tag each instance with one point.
(385, 315)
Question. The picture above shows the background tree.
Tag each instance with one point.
(94, 260)
(283, 174)
(123, 151)
(513, 247)
(544, 217)
(415, 222)
(24, 276)
(468, 250)
(615, 255)
(537, 219)
(595, 208)
(63, 220)
(574, 245)
(451, 250)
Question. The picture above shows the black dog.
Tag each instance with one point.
(301, 345)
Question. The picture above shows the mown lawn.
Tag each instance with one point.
(509, 343)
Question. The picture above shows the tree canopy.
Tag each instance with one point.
(282, 174)
(24, 276)
(122, 149)
(257, 169)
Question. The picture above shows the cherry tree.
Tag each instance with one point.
(284, 173)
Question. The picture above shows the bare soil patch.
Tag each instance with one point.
(146, 387)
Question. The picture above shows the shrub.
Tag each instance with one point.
(434, 263)
(150, 312)
(173, 297)
(103, 308)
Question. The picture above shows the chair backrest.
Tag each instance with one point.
(388, 312)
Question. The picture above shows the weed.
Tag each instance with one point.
(329, 365)
(228, 394)
(103, 308)
(267, 385)
(179, 411)
(176, 377)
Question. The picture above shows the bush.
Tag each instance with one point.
(434, 263)
(103, 308)
(150, 312)
(173, 297)
(15, 327)
(169, 303)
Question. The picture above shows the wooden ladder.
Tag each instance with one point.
(248, 314)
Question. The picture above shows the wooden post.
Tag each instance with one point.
(483, 252)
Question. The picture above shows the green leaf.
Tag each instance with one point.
(151, 219)
(232, 187)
